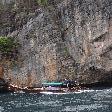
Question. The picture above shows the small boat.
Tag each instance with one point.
(50, 87)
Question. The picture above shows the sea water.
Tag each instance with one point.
(83, 101)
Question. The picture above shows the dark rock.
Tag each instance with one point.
(3, 86)
(66, 39)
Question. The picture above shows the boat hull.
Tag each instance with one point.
(41, 90)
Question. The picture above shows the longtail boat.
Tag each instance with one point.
(53, 87)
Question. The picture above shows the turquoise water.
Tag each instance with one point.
(84, 101)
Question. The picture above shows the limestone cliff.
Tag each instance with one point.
(65, 39)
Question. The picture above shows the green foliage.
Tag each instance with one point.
(8, 46)
(66, 52)
(42, 2)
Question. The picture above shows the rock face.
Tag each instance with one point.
(66, 39)
(1, 72)
(3, 86)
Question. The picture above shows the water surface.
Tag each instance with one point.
(85, 101)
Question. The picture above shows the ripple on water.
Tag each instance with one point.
(103, 95)
(1, 109)
(87, 101)
(86, 108)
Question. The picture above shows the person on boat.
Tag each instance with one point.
(67, 83)
(75, 83)
(70, 84)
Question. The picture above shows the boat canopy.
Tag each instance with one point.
(52, 84)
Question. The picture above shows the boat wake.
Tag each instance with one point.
(52, 93)
(76, 92)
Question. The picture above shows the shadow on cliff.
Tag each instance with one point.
(97, 78)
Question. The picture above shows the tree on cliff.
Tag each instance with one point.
(8, 47)
(42, 2)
